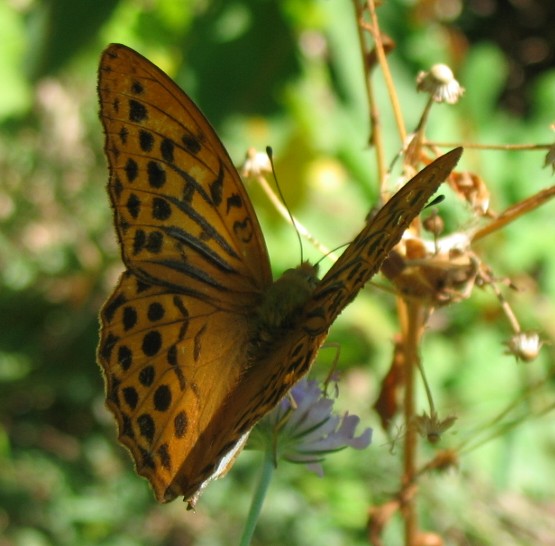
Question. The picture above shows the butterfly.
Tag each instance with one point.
(197, 341)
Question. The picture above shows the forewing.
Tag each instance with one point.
(364, 256)
(182, 215)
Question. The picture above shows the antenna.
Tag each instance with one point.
(270, 153)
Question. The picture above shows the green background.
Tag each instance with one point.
(287, 74)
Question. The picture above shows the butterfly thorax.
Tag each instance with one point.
(282, 305)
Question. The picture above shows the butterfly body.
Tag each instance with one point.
(197, 342)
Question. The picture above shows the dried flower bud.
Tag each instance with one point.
(444, 460)
(440, 83)
(550, 158)
(524, 346)
(431, 427)
(415, 249)
(428, 539)
(256, 163)
(434, 224)
(472, 188)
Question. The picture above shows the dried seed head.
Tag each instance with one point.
(440, 83)
(525, 346)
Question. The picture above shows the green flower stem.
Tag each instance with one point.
(268, 467)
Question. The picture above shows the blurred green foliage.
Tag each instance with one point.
(287, 74)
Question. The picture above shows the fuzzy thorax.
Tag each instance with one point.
(283, 303)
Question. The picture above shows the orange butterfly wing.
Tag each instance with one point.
(175, 329)
(166, 165)
(189, 368)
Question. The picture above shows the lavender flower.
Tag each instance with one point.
(303, 429)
